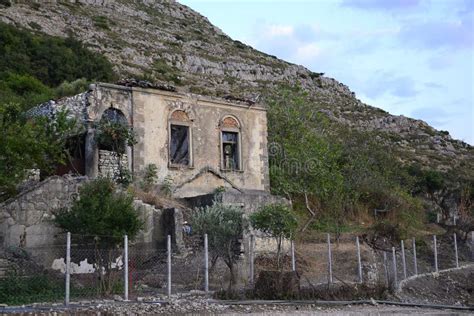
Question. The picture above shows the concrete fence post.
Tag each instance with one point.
(385, 268)
(251, 258)
(456, 250)
(68, 268)
(395, 277)
(359, 262)
(415, 264)
(329, 259)
(168, 248)
(293, 258)
(435, 247)
(125, 267)
(404, 263)
(206, 264)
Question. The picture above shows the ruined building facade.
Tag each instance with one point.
(198, 144)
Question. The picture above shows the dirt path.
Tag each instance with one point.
(451, 287)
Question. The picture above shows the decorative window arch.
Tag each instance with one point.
(180, 139)
(230, 143)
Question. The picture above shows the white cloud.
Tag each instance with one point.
(279, 30)
(308, 52)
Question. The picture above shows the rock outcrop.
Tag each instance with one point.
(171, 43)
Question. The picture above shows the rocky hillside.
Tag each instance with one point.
(169, 42)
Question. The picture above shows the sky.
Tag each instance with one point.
(408, 57)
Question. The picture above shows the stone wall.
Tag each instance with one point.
(25, 221)
(109, 163)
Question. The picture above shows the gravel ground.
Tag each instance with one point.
(194, 304)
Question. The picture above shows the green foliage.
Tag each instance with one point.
(224, 226)
(115, 136)
(51, 60)
(150, 177)
(101, 216)
(72, 88)
(167, 186)
(16, 290)
(32, 64)
(101, 22)
(24, 90)
(29, 143)
(426, 180)
(305, 159)
(339, 172)
(277, 221)
(166, 72)
(101, 211)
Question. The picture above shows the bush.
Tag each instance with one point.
(277, 221)
(16, 290)
(101, 216)
(224, 226)
(72, 88)
(49, 59)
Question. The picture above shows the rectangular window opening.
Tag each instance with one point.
(230, 150)
(179, 145)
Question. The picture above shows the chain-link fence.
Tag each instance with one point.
(78, 267)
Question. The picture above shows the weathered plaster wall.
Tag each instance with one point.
(148, 111)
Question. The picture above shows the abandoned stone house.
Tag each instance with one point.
(197, 143)
(201, 145)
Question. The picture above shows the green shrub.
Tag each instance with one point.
(149, 177)
(277, 221)
(16, 290)
(49, 59)
(101, 22)
(72, 88)
(101, 216)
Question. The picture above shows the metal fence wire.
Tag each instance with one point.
(78, 267)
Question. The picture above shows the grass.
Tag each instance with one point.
(19, 290)
(101, 22)
(16, 290)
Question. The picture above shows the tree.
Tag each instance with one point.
(304, 158)
(224, 226)
(30, 143)
(101, 216)
(277, 221)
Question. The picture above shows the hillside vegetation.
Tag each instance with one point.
(351, 158)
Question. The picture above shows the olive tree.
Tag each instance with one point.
(277, 221)
(224, 226)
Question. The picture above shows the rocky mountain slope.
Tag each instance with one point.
(167, 41)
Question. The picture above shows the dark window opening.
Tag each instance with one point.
(75, 159)
(230, 150)
(179, 147)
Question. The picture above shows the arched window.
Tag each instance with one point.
(180, 153)
(112, 125)
(231, 159)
